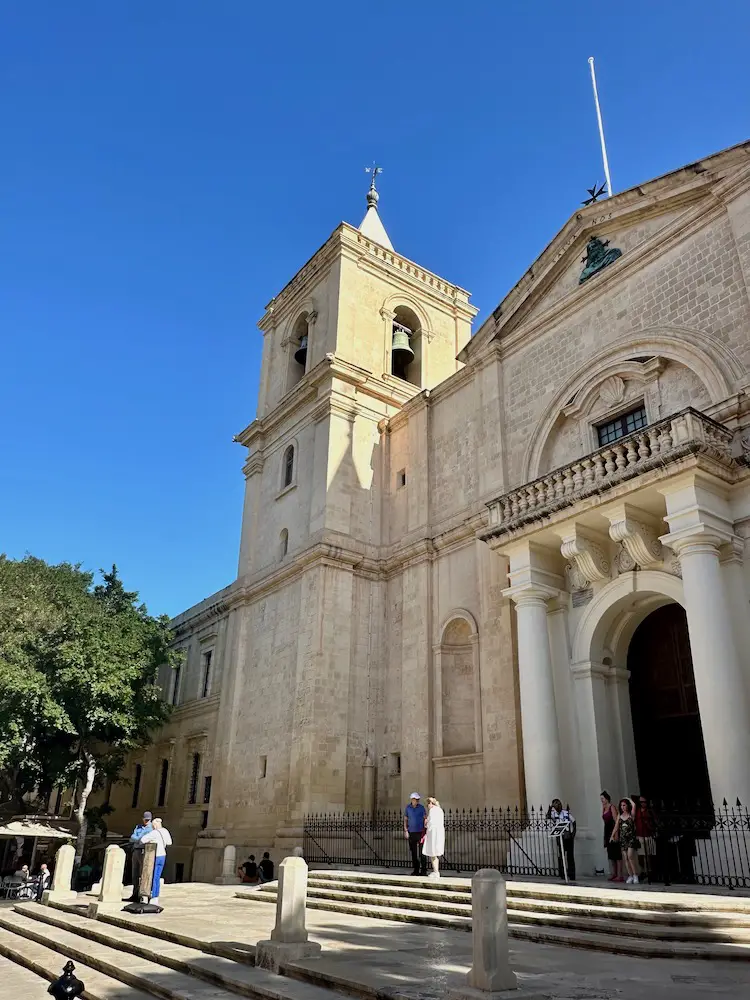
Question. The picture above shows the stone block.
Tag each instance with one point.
(228, 867)
(61, 890)
(491, 977)
(111, 890)
(288, 941)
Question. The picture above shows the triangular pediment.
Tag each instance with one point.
(623, 234)
(636, 222)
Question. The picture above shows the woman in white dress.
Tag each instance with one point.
(434, 843)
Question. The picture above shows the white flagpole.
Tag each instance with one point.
(601, 128)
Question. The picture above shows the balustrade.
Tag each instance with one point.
(687, 432)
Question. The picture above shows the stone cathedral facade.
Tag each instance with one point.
(497, 568)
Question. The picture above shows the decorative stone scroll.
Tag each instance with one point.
(638, 534)
(588, 555)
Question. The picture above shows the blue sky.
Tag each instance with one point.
(167, 167)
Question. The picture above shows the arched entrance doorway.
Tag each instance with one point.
(664, 705)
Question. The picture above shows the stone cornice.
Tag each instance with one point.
(283, 303)
(194, 708)
(310, 388)
(348, 241)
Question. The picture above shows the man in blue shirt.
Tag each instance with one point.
(415, 817)
(137, 855)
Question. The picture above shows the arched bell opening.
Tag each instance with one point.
(406, 346)
(298, 350)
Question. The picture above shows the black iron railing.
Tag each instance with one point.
(684, 845)
(697, 845)
(515, 841)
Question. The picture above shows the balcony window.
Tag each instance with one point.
(615, 429)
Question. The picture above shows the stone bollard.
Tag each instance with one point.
(491, 975)
(61, 890)
(228, 867)
(111, 884)
(288, 941)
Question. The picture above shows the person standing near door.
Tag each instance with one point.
(160, 836)
(415, 816)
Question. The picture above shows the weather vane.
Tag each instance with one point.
(595, 192)
(374, 170)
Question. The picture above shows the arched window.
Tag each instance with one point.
(406, 346)
(137, 785)
(283, 543)
(288, 475)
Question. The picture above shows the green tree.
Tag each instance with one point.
(78, 670)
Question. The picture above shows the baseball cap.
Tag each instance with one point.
(415, 795)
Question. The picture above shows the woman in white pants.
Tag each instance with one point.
(434, 843)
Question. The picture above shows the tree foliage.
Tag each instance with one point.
(78, 672)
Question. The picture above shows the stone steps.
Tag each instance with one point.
(35, 966)
(517, 890)
(153, 967)
(640, 923)
(599, 919)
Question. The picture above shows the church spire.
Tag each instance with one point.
(371, 226)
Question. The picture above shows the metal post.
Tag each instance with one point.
(601, 127)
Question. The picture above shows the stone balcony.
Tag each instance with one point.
(664, 443)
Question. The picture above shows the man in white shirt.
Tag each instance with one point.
(162, 838)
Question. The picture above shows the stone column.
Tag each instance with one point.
(288, 941)
(719, 682)
(61, 890)
(491, 975)
(111, 887)
(541, 742)
(228, 867)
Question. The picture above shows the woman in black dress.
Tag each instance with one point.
(625, 833)
(612, 847)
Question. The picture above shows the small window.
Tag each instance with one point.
(207, 657)
(176, 684)
(194, 774)
(137, 785)
(613, 430)
(207, 789)
(163, 777)
(401, 478)
(283, 544)
(288, 466)
(263, 768)
(395, 763)
(58, 801)
(204, 819)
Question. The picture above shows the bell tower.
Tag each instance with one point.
(357, 332)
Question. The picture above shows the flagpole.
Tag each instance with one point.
(601, 128)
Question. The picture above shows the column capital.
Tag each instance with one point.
(696, 538)
(526, 595)
(590, 668)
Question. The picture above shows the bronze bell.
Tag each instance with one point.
(300, 355)
(400, 347)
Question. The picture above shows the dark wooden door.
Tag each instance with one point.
(666, 721)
